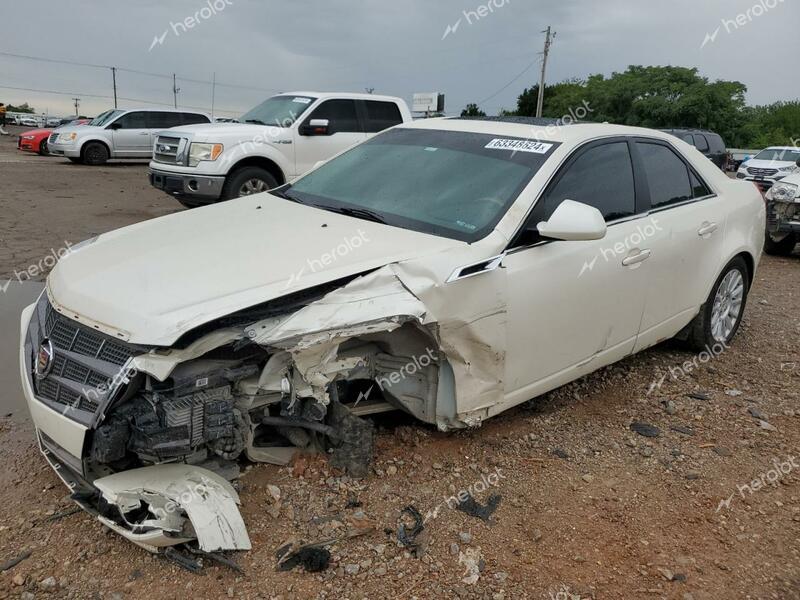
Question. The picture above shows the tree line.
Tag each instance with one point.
(667, 97)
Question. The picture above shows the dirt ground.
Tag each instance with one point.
(707, 508)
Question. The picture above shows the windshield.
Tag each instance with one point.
(779, 154)
(105, 117)
(448, 183)
(278, 111)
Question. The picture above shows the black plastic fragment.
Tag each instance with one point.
(409, 538)
(645, 429)
(475, 509)
(311, 558)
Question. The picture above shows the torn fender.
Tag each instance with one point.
(169, 492)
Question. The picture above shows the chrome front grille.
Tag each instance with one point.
(762, 172)
(86, 369)
(166, 149)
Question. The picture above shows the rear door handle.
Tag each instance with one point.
(636, 258)
(707, 229)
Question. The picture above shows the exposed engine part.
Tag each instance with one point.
(157, 429)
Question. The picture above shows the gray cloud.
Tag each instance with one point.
(396, 48)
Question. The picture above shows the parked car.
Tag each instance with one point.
(36, 139)
(770, 165)
(29, 122)
(279, 139)
(450, 268)
(118, 133)
(710, 144)
(783, 214)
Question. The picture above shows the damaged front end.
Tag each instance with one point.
(136, 431)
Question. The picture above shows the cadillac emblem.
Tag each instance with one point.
(44, 359)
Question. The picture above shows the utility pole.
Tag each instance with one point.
(114, 79)
(547, 41)
(175, 90)
(213, 90)
(77, 102)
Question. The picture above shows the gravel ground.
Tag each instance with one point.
(706, 505)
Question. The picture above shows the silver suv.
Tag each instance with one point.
(118, 133)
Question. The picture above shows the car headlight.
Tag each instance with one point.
(67, 138)
(786, 169)
(27, 137)
(783, 192)
(202, 151)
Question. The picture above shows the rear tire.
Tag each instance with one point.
(43, 148)
(248, 181)
(721, 315)
(95, 153)
(781, 248)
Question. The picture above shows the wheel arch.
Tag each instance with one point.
(260, 161)
(99, 141)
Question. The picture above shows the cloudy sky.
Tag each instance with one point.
(398, 48)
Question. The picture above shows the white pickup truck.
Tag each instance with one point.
(275, 142)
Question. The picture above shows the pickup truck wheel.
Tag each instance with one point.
(43, 148)
(95, 153)
(783, 247)
(248, 181)
(721, 315)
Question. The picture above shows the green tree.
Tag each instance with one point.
(472, 110)
(22, 108)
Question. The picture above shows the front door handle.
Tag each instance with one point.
(144, 133)
(636, 258)
(706, 229)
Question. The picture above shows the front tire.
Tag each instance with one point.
(782, 248)
(43, 148)
(248, 181)
(721, 315)
(95, 153)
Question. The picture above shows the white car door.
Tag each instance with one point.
(131, 136)
(574, 306)
(689, 223)
(344, 130)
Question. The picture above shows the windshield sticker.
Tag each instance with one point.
(519, 145)
(302, 100)
(469, 226)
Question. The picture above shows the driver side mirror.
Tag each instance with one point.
(573, 221)
(316, 127)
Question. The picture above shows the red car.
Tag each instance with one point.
(35, 140)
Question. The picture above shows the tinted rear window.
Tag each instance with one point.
(381, 115)
(667, 175)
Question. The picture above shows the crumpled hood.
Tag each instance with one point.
(154, 281)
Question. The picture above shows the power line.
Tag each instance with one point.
(106, 97)
(521, 73)
(135, 71)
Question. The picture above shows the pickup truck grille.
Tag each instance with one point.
(166, 149)
(53, 137)
(86, 367)
(762, 172)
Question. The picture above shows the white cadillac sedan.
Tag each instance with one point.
(448, 268)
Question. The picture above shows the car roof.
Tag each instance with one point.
(689, 130)
(782, 148)
(151, 109)
(324, 95)
(576, 132)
